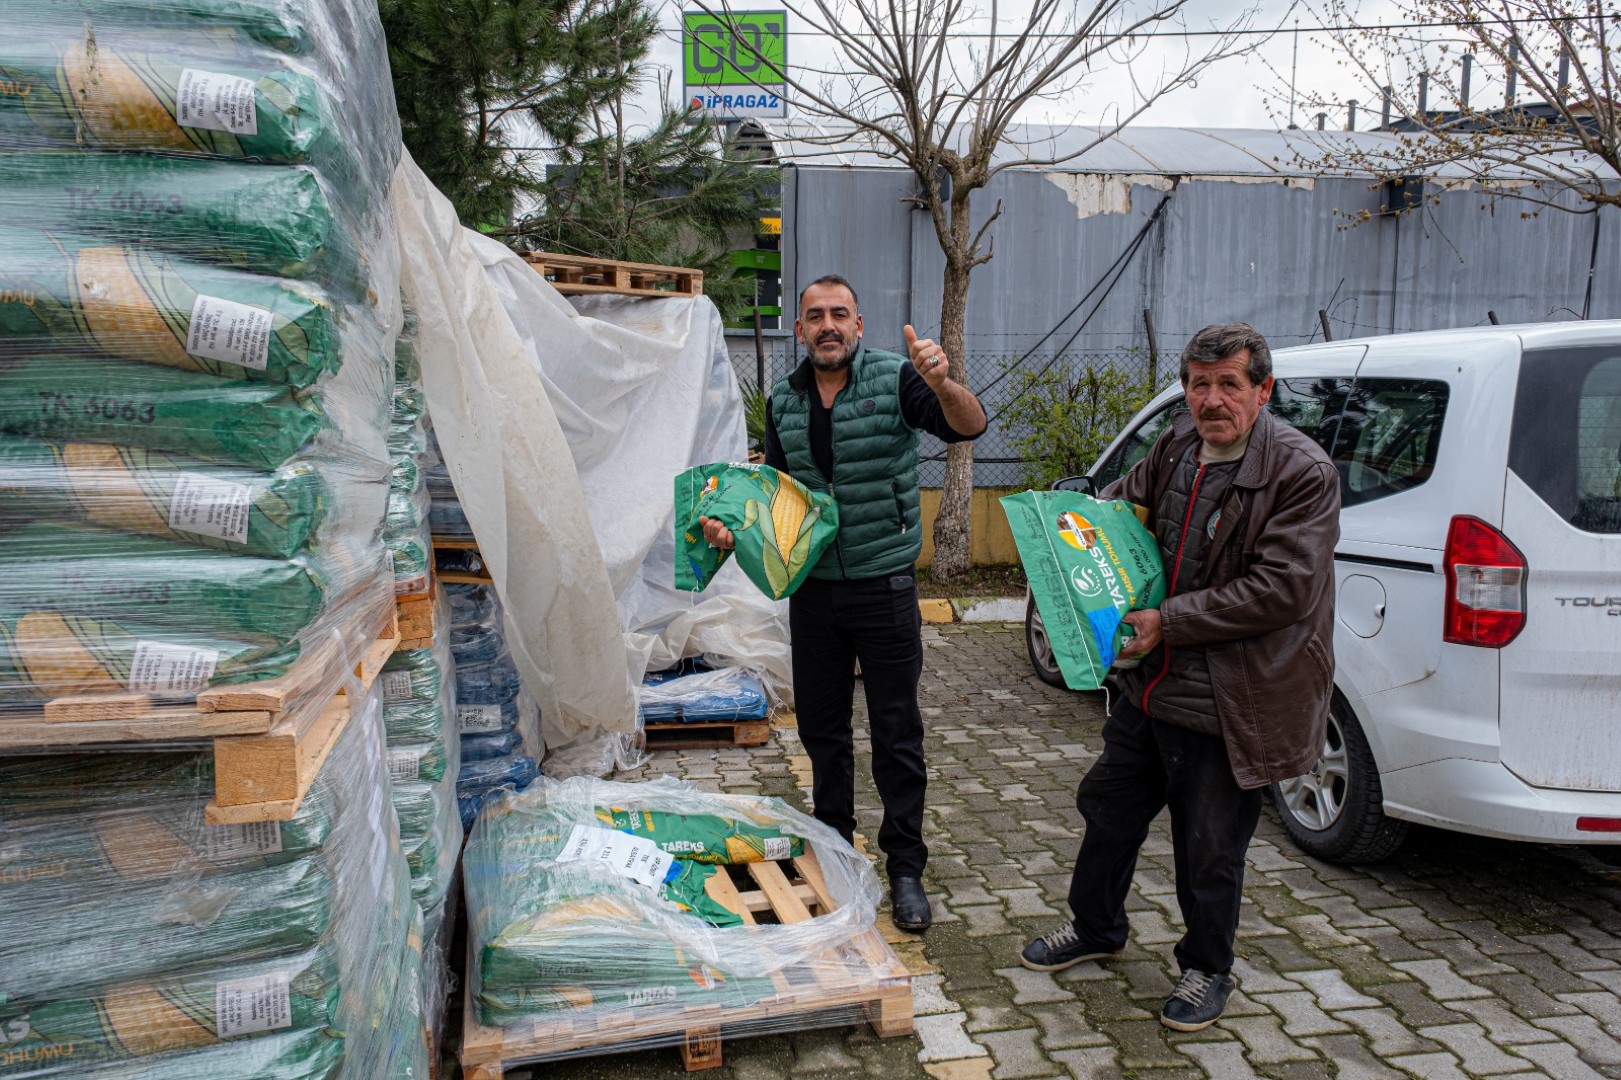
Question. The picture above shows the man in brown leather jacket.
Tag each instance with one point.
(1236, 670)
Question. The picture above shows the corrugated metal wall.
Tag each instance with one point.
(1270, 252)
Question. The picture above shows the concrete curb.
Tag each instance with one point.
(973, 609)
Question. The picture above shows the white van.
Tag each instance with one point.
(1478, 606)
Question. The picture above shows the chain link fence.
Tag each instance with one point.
(1048, 414)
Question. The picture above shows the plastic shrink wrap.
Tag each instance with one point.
(136, 941)
(498, 723)
(729, 693)
(198, 299)
(568, 939)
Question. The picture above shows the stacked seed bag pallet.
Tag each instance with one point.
(607, 917)
(136, 941)
(198, 300)
(419, 690)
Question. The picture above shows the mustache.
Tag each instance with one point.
(1215, 416)
(831, 335)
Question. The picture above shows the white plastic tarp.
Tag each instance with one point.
(563, 431)
(644, 389)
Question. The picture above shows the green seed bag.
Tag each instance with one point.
(706, 838)
(1088, 563)
(780, 526)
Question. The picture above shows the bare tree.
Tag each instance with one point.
(939, 87)
(1520, 98)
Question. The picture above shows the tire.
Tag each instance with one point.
(1042, 661)
(1336, 811)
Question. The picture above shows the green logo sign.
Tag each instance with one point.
(734, 62)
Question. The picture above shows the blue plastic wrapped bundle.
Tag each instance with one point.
(481, 746)
(731, 693)
(481, 779)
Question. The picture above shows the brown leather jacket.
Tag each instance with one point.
(1264, 607)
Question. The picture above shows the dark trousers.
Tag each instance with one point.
(832, 624)
(1146, 765)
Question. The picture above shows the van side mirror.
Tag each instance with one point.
(1082, 484)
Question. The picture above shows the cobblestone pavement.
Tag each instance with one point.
(1460, 957)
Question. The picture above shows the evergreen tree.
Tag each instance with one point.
(515, 109)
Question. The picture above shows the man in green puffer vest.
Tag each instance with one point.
(846, 422)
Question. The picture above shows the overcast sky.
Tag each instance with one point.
(1230, 93)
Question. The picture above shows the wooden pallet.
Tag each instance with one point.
(269, 738)
(862, 977)
(460, 577)
(416, 618)
(574, 275)
(705, 734)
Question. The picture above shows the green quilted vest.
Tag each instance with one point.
(874, 465)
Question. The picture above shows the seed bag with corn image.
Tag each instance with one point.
(780, 526)
(86, 297)
(1088, 563)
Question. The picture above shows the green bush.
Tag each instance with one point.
(1068, 412)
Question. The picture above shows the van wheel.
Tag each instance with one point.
(1336, 811)
(1042, 660)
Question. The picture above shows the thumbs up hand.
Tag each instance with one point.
(929, 359)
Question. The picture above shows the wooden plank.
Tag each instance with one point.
(461, 577)
(680, 735)
(67, 710)
(724, 892)
(178, 724)
(451, 543)
(785, 902)
(319, 670)
(269, 774)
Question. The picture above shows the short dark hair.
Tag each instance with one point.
(1221, 340)
(828, 279)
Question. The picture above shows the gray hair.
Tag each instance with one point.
(828, 279)
(1222, 340)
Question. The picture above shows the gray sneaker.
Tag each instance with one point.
(1198, 1001)
(1061, 949)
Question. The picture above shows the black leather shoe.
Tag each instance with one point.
(909, 904)
(1061, 949)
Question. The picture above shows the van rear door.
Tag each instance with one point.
(1561, 676)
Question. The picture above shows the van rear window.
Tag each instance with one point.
(1566, 442)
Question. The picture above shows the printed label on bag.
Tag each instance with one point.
(222, 843)
(405, 764)
(633, 857)
(216, 102)
(778, 847)
(161, 668)
(247, 1006)
(396, 686)
(210, 507)
(229, 332)
(476, 718)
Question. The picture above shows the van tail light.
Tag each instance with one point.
(1485, 585)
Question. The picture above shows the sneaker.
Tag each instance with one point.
(1198, 1001)
(1061, 949)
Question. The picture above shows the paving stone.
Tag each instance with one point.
(1016, 1054)
(1431, 1067)
(943, 1038)
(1476, 1053)
(1441, 980)
(1143, 1044)
(821, 1051)
(929, 996)
(1560, 1061)
(1092, 1063)
(1034, 987)
(1502, 1025)
(1584, 1033)
(984, 919)
(1352, 1060)
(1063, 1026)
(1219, 1060)
(1265, 1041)
(1256, 976)
(1316, 932)
(1027, 903)
(1526, 997)
(1601, 1006)
(966, 1069)
(1344, 913)
(1386, 1032)
(1571, 956)
(1301, 1016)
(1331, 991)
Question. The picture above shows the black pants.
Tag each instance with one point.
(1146, 765)
(833, 624)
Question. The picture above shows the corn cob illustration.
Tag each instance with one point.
(788, 509)
(116, 104)
(143, 1021)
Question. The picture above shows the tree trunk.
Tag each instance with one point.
(953, 527)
